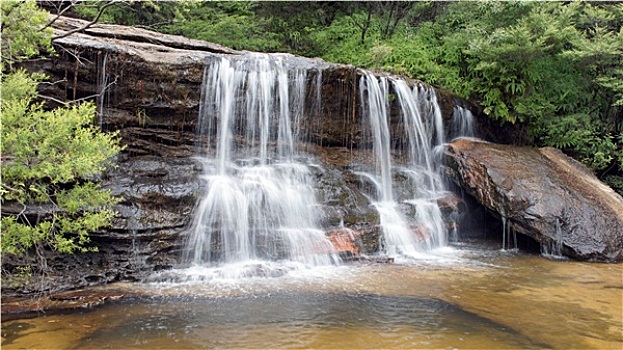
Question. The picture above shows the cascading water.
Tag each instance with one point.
(418, 227)
(553, 248)
(509, 236)
(461, 124)
(429, 108)
(396, 232)
(260, 202)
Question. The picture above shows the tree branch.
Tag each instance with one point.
(76, 55)
(59, 14)
(64, 80)
(64, 103)
(86, 26)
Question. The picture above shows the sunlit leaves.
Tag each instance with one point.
(44, 151)
(23, 30)
(17, 238)
(59, 145)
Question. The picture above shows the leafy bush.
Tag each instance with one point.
(50, 158)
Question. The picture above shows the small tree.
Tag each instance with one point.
(50, 158)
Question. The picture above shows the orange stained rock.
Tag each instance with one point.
(343, 240)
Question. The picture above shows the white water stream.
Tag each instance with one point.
(408, 232)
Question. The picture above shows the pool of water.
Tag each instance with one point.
(460, 297)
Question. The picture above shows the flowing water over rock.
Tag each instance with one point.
(260, 203)
(423, 230)
(462, 124)
(278, 166)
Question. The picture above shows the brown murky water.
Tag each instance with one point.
(463, 298)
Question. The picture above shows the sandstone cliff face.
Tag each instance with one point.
(544, 194)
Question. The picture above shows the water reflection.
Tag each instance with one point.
(301, 320)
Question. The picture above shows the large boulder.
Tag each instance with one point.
(543, 194)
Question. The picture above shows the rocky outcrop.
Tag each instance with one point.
(344, 241)
(543, 194)
(15, 307)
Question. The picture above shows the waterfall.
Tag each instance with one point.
(396, 232)
(259, 203)
(507, 234)
(374, 96)
(102, 88)
(410, 218)
(429, 107)
(553, 248)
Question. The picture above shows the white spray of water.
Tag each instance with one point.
(259, 204)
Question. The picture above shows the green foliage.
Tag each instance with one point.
(24, 32)
(587, 142)
(74, 150)
(342, 43)
(50, 158)
(414, 54)
(232, 24)
(154, 14)
(616, 182)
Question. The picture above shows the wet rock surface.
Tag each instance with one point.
(18, 307)
(543, 194)
(345, 242)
